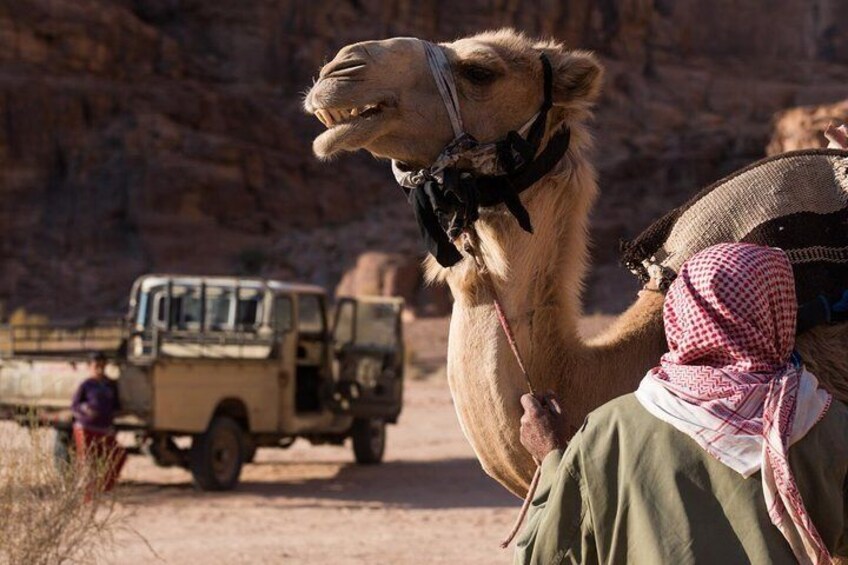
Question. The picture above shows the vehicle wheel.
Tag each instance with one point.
(63, 449)
(369, 440)
(216, 455)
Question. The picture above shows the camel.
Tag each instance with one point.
(380, 96)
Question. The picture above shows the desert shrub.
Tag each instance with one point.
(48, 513)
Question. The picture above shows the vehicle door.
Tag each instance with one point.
(369, 354)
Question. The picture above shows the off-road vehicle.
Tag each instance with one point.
(211, 368)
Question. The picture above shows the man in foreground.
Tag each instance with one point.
(728, 452)
(94, 407)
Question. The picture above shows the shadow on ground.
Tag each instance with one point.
(439, 484)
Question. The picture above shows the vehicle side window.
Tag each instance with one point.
(248, 309)
(160, 299)
(310, 314)
(143, 309)
(186, 308)
(282, 314)
(219, 303)
(151, 308)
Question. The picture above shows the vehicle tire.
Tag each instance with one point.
(369, 440)
(63, 449)
(216, 456)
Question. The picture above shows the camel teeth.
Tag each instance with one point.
(334, 116)
(325, 117)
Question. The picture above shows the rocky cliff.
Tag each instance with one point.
(142, 135)
(800, 128)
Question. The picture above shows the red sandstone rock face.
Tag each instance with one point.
(166, 134)
(801, 128)
(395, 274)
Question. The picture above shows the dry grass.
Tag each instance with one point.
(45, 518)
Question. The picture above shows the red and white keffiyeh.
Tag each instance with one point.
(728, 381)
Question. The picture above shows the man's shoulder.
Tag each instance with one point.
(622, 429)
(624, 407)
(621, 416)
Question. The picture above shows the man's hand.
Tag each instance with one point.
(542, 425)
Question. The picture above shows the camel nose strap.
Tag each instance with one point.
(440, 68)
(445, 83)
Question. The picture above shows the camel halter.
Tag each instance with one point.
(468, 175)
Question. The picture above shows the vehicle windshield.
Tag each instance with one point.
(213, 308)
(376, 324)
(310, 314)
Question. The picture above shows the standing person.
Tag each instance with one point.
(94, 407)
(727, 453)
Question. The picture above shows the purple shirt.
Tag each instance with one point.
(95, 403)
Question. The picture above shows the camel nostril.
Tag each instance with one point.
(342, 68)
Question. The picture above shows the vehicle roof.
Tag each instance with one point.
(155, 279)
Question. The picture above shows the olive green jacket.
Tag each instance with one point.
(632, 489)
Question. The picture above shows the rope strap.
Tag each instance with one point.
(471, 248)
(531, 492)
(441, 71)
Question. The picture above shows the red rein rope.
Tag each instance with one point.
(471, 238)
(531, 491)
(510, 338)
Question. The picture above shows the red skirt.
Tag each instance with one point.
(100, 452)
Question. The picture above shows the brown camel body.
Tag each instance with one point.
(380, 96)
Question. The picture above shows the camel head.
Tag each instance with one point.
(381, 96)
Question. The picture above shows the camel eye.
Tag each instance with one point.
(479, 75)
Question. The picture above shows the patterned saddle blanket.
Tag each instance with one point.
(796, 201)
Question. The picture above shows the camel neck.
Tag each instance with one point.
(538, 279)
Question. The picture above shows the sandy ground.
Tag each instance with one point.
(429, 502)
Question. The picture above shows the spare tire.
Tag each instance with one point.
(217, 455)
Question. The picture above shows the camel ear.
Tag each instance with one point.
(577, 77)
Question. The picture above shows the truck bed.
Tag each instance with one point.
(71, 341)
(41, 366)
